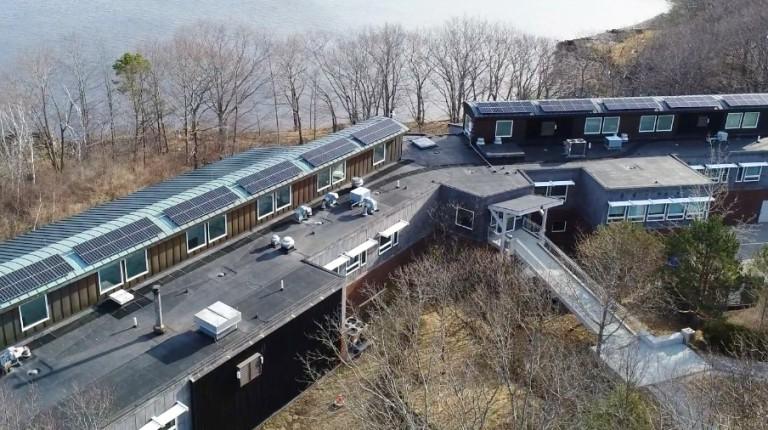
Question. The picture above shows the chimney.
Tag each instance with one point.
(159, 328)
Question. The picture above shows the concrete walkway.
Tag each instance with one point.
(640, 358)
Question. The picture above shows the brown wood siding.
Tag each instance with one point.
(62, 304)
(304, 191)
(168, 253)
(361, 164)
(241, 220)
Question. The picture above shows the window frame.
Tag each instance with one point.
(675, 216)
(558, 196)
(504, 121)
(383, 147)
(658, 216)
(751, 178)
(392, 241)
(739, 115)
(640, 124)
(290, 197)
(36, 323)
(637, 218)
(343, 164)
(259, 215)
(618, 125)
(472, 221)
(744, 120)
(211, 239)
(703, 209)
(358, 261)
(326, 171)
(615, 218)
(119, 264)
(560, 230)
(204, 241)
(146, 266)
(671, 123)
(596, 120)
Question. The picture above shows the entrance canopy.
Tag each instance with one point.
(526, 204)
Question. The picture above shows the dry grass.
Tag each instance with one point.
(749, 317)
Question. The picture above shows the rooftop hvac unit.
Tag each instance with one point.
(12, 357)
(423, 143)
(330, 200)
(357, 181)
(217, 320)
(302, 213)
(357, 195)
(275, 241)
(369, 206)
(287, 244)
(722, 136)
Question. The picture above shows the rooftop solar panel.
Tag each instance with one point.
(631, 103)
(683, 102)
(746, 100)
(270, 176)
(506, 107)
(329, 152)
(567, 105)
(378, 131)
(117, 241)
(24, 280)
(201, 205)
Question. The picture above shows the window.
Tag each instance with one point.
(558, 191)
(467, 124)
(379, 154)
(504, 128)
(171, 425)
(647, 123)
(695, 210)
(386, 243)
(593, 125)
(265, 205)
(110, 277)
(733, 120)
(559, 226)
(323, 179)
(665, 122)
(752, 173)
(636, 213)
(675, 211)
(283, 197)
(195, 237)
(611, 125)
(750, 120)
(719, 174)
(541, 191)
(34, 312)
(656, 212)
(465, 218)
(217, 228)
(616, 213)
(136, 265)
(339, 172)
(357, 262)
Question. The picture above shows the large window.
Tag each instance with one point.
(136, 265)
(339, 172)
(217, 228)
(196, 237)
(665, 122)
(636, 213)
(611, 125)
(265, 205)
(593, 125)
(386, 243)
(733, 120)
(750, 120)
(696, 210)
(34, 312)
(675, 211)
(752, 173)
(742, 120)
(465, 218)
(617, 213)
(379, 154)
(323, 179)
(283, 197)
(504, 128)
(110, 277)
(656, 212)
(647, 123)
(718, 174)
(357, 262)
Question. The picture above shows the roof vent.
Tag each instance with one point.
(217, 320)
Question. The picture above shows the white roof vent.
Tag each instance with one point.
(218, 319)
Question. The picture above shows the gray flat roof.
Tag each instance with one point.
(527, 204)
(643, 172)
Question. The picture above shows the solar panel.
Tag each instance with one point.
(378, 131)
(683, 102)
(117, 241)
(631, 103)
(33, 276)
(200, 206)
(566, 105)
(506, 107)
(329, 152)
(746, 100)
(270, 176)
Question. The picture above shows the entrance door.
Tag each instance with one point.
(763, 212)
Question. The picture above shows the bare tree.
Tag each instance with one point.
(418, 70)
(291, 65)
(86, 409)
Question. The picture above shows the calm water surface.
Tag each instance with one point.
(119, 25)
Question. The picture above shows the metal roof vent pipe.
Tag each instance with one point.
(159, 327)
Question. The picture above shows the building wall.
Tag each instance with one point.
(451, 199)
(82, 294)
(142, 413)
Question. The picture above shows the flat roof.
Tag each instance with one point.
(643, 172)
(527, 204)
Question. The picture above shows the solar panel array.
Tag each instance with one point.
(631, 103)
(117, 241)
(33, 276)
(746, 100)
(270, 176)
(506, 107)
(683, 102)
(201, 205)
(377, 132)
(572, 105)
(329, 152)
